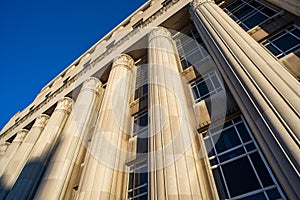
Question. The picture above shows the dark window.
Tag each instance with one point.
(237, 164)
(206, 86)
(249, 14)
(283, 43)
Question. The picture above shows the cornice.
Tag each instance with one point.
(91, 65)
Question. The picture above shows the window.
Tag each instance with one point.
(206, 86)
(141, 84)
(138, 181)
(140, 129)
(284, 42)
(191, 48)
(249, 13)
(238, 167)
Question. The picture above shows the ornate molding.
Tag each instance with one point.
(197, 3)
(3, 148)
(159, 32)
(91, 65)
(21, 135)
(123, 60)
(65, 104)
(92, 84)
(41, 121)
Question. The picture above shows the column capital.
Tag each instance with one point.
(64, 104)
(3, 147)
(123, 60)
(41, 121)
(93, 84)
(21, 135)
(159, 32)
(197, 3)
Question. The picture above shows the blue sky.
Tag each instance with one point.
(38, 39)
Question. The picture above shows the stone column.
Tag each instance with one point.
(16, 164)
(74, 135)
(175, 163)
(104, 173)
(11, 150)
(266, 93)
(30, 176)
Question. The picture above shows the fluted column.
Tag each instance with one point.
(175, 163)
(28, 180)
(104, 173)
(16, 164)
(11, 150)
(62, 164)
(266, 93)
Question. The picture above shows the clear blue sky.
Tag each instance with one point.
(39, 38)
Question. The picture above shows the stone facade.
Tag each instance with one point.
(182, 100)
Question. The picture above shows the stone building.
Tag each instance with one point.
(182, 100)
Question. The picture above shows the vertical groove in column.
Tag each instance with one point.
(73, 137)
(105, 166)
(271, 94)
(178, 173)
(16, 164)
(28, 180)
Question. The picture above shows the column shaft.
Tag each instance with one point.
(78, 126)
(28, 179)
(266, 94)
(105, 165)
(175, 163)
(11, 150)
(16, 164)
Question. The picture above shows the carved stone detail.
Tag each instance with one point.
(122, 60)
(21, 135)
(3, 148)
(160, 32)
(197, 3)
(41, 121)
(64, 104)
(93, 84)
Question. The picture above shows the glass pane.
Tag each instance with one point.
(220, 183)
(145, 89)
(232, 154)
(240, 177)
(296, 32)
(195, 93)
(250, 147)
(142, 145)
(226, 140)
(286, 42)
(254, 20)
(268, 11)
(202, 88)
(273, 194)
(243, 132)
(216, 82)
(273, 50)
(233, 5)
(245, 10)
(261, 170)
